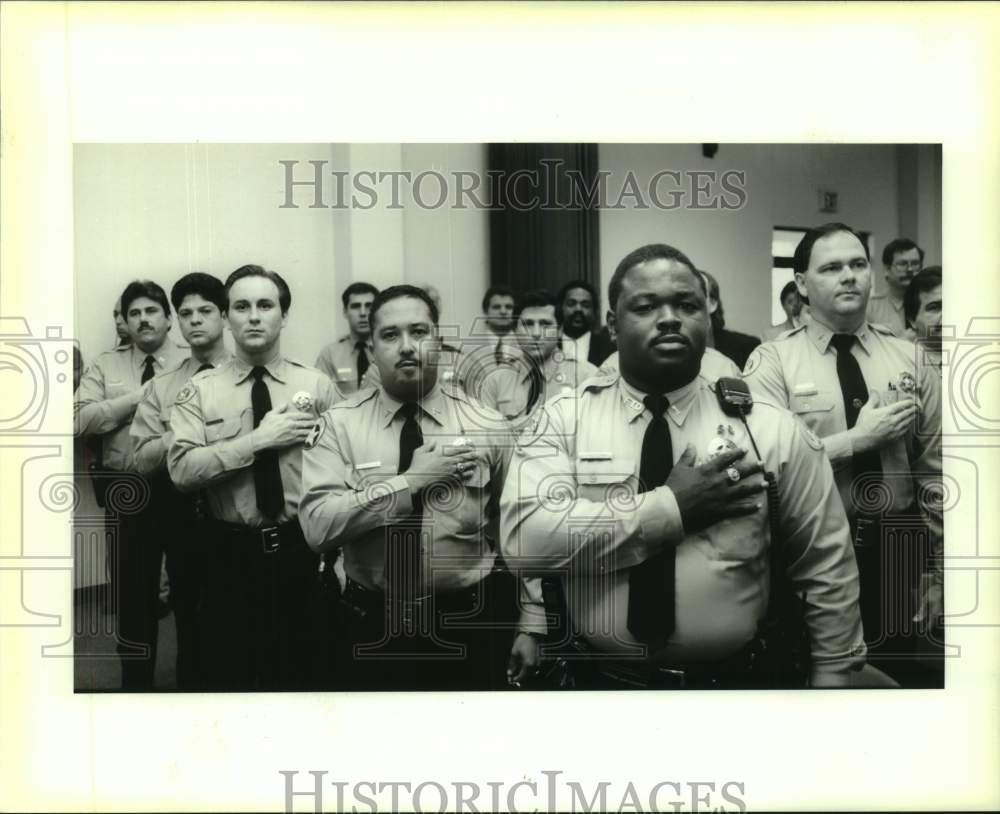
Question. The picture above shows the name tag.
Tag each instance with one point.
(371, 465)
(345, 369)
(214, 421)
(595, 456)
(807, 389)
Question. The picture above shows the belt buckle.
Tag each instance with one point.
(270, 540)
(678, 677)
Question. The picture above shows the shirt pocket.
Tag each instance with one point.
(224, 429)
(613, 480)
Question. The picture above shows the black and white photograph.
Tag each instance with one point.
(509, 416)
(498, 407)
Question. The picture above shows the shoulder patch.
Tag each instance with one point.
(186, 394)
(753, 362)
(316, 432)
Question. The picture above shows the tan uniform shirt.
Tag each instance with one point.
(799, 371)
(108, 394)
(713, 365)
(212, 420)
(339, 361)
(570, 503)
(150, 431)
(883, 310)
(351, 491)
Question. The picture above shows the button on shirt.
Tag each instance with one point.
(339, 361)
(109, 392)
(799, 370)
(571, 502)
(351, 491)
(150, 430)
(212, 420)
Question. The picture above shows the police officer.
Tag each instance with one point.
(857, 387)
(171, 525)
(540, 371)
(103, 407)
(238, 432)
(405, 479)
(901, 260)
(347, 361)
(645, 496)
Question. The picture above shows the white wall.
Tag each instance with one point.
(160, 211)
(781, 184)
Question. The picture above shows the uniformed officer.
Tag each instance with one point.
(171, 526)
(238, 432)
(103, 407)
(540, 371)
(347, 361)
(922, 304)
(645, 497)
(879, 414)
(405, 479)
(901, 260)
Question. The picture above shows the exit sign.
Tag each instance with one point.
(827, 201)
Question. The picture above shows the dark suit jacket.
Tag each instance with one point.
(736, 346)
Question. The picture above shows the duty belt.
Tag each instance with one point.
(266, 540)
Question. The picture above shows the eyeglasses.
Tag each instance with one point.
(902, 265)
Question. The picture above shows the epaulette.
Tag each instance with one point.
(601, 381)
(788, 333)
(878, 327)
(356, 398)
(295, 362)
(119, 349)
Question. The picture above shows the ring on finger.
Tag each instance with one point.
(733, 473)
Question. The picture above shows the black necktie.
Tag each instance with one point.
(855, 393)
(147, 370)
(362, 361)
(266, 474)
(205, 366)
(537, 385)
(402, 565)
(651, 583)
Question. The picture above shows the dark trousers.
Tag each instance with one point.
(165, 525)
(892, 553)
(262, 622)
(453, 641)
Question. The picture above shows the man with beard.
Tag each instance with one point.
(901, 259)
(238, 434)
(169, 521)
(858, 388)
(347, 361)
(922, 304)
(646, 497)
(109, 393)
(393, 477)
(576, 310)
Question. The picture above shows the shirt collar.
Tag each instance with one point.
(276, 369)
(159, 356)
(431, 405)
(680, 400)
(821, 335)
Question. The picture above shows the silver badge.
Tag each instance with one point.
(303, 401)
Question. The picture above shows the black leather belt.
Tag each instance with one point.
(266, 540)
(732, 672)
(370, 600)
